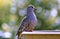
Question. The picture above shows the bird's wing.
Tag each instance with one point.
(23, 25)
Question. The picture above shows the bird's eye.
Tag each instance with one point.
(32, 7)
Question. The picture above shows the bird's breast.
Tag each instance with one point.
(33, 18)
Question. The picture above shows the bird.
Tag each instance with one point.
(29, 21)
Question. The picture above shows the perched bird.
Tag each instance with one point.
(28, 22)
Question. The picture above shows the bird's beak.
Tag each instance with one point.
(35, 8)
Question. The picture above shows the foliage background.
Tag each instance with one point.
(13, 11)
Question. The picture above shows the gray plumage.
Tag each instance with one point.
(28, 22)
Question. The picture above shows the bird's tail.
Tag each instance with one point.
(19, 33)
(20, 36)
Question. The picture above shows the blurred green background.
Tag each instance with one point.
(13, 11)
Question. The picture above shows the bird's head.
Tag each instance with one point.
(31, 8)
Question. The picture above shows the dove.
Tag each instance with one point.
(29, 21)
